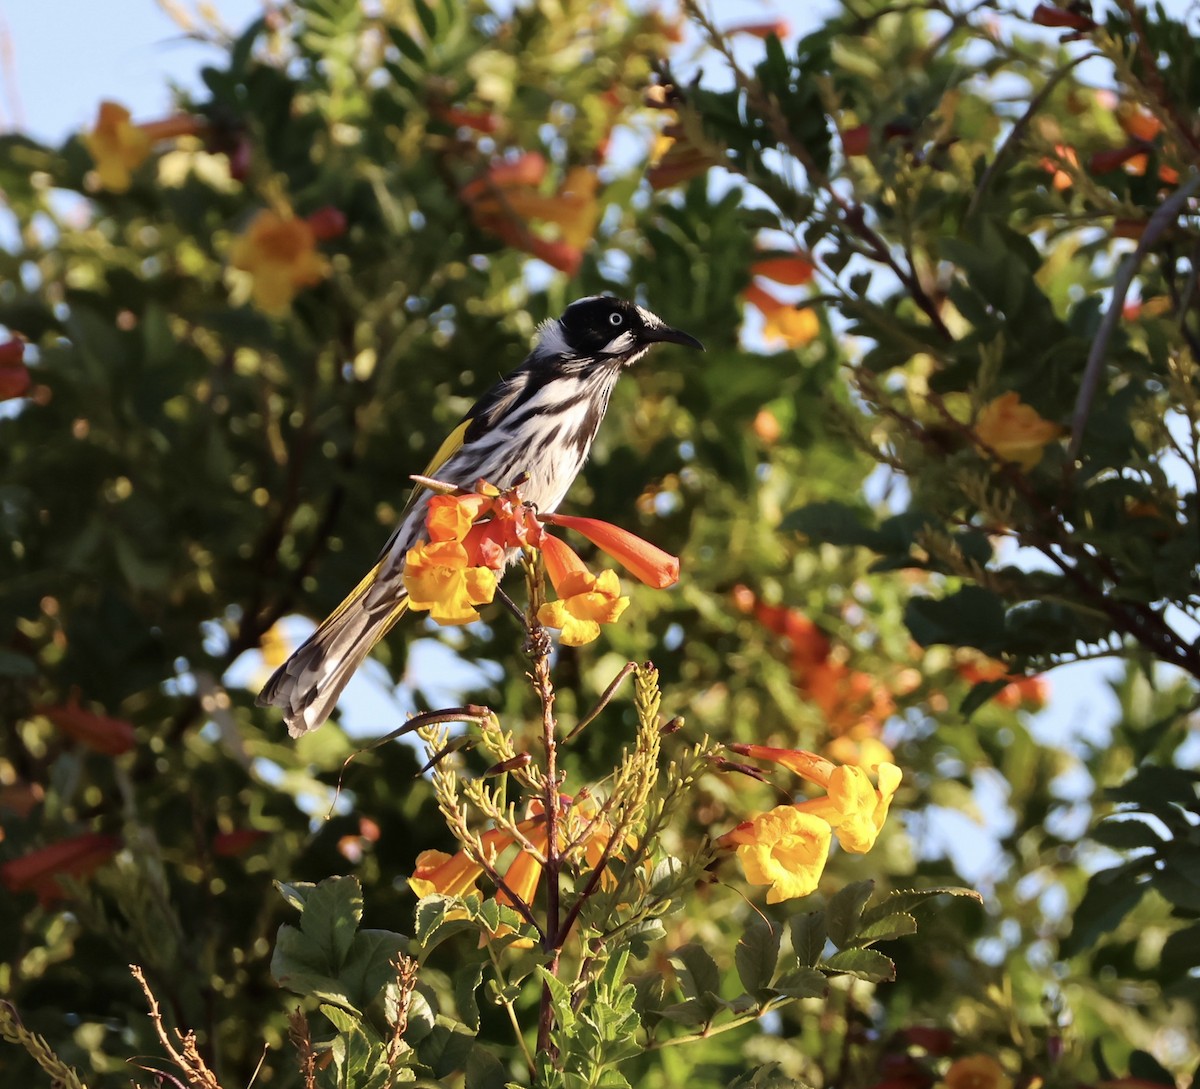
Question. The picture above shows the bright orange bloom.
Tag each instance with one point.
(977, 1072)
(585, 602)
(111, 736)
(784, 849)
(15, 379)
(849, 698)
(280, 253)
(854, 808)
(439, 577)
(509, 197)
(865, 752)
(794, 326)
(779, 27)
(118, 146)
(39, 870)
(574, 209)
(1020, 691)
(640, 558)
(1138, 122)
(527, 169)
(457, 874)
(1013, 431)
(1062, 178)
(674, 159)
(792, 270)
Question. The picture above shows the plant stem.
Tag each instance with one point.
(539, 650)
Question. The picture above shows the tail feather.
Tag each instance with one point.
(308, 684)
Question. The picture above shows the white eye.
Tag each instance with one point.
(615, 318)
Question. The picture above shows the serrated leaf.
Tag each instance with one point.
(665, 877)
(1126, 834)
(368, 966)
(770, 1076)
(698, 973)
(886, 929)
(439, 917)
(802, 983)
(690, 1012)
(756, 954)
(808, 936)
(904, 901)
(484, 1070)
(867, 964)
(843, 913)
(466, 983)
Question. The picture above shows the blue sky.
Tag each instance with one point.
(63, 56)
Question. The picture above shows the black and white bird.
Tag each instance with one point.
(539, 420)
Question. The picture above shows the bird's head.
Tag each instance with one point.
(608, 330)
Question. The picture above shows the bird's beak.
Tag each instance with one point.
(666, 335)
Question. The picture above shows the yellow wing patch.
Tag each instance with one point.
(450, 446)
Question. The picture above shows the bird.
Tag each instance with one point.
(536, 424)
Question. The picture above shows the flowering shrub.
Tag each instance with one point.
(941, 445)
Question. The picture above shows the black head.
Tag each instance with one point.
(603, 328)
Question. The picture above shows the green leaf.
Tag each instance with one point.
(770, 1076)
(886, 929)
(331, 915)
(844, 911)
(904, 901)
(484, 1070)
(757, 954)
(466, 983)
(867, 964)
(698, 974)
(831, 522)
(1126, 833)
(1110, 896)
(808, 936)
(802, 983)
(368, 967)
(972, 617)
(440, 917)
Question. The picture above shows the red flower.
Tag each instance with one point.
(327, 222)
(111, 736)
(644, 561)
(1046, 15)
(14, 375)
(39, 870)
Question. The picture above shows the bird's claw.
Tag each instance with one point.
(538, 643)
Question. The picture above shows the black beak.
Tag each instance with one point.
(664, 334)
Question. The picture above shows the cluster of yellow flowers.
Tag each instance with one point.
(469, 538)
(786, 849)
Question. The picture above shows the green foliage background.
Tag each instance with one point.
(189, 471)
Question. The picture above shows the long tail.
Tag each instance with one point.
(308, 684)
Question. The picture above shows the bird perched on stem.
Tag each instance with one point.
(539, 420)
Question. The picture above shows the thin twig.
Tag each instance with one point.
(1018, 130)
(188, 1060)
(605, 698)
(1166, 214)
